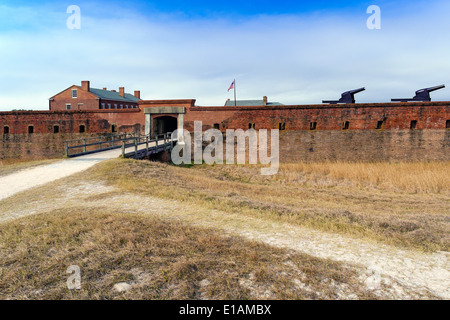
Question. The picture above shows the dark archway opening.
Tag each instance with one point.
(166, 124)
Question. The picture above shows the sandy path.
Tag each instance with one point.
(388, 271)
(37, 176)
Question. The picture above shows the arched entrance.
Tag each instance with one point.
(164, 119)
(165, 124)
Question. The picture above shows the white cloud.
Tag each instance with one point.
(291, 59)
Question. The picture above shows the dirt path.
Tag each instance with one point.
(386, 270)
(40, 175)
(30, 178)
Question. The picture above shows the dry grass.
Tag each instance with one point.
(11, 166)
(160, 259)
(416, 177)
(320, 196)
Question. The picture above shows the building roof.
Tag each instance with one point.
(250, 103)
(112, 95)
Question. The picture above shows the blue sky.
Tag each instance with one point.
(295, 52)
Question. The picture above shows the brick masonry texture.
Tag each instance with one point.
(365, 145)
(99, 121)
(393, 140)
(36, 146)
(429, 115)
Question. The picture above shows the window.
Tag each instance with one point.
(68, 106)
(379, 124)
(312, 125)
(251, 126)
(121, 106)
(74, 93)
(5, 130)
(345, 125)
(447, 124)
(413, 124)
(102, 106)
(30, 129)
(282, 126)
(217, 126)
(109, 105)
(126, 106)
(55, 129)
(114, 128)
(80, 105)
(82, 128)
(115, 105)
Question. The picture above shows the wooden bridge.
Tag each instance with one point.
(124, 144)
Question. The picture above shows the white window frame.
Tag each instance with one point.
(76, 93)
(68, 106)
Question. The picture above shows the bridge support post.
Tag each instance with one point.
(180, 128)
(148, 124)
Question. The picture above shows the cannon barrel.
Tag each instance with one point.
(355, 91)
(442, 86)
(346, 97)
(421, 95)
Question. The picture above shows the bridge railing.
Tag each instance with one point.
(79, 147)
(162, 142)
(84, 146)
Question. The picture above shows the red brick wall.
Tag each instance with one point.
(99, 121)
(429, 115)
(37, 146)
(393, 142)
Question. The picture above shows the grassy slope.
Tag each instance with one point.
(318, 196)
(164, 260)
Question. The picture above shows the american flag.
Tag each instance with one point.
(232, 86)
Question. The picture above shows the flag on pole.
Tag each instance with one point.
(232, 86)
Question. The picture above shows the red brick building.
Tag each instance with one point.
(80, 98)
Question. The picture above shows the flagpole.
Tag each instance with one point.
(235, 93)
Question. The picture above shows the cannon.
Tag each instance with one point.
(346, 97)
(421, 95)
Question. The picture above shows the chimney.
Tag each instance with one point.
(122, 92)
(264, 101)
(137, 94)
(105, 89)
(85, 85)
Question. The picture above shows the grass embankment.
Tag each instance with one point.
(160, 259)
(404, 204)
(165, 257)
